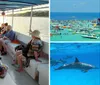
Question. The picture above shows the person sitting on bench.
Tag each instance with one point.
(8, 37)
(31, 51)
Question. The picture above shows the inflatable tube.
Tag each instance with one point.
(64, 26)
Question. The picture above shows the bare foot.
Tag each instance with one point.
(20, 70)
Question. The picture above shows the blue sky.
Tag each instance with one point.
(75, 5)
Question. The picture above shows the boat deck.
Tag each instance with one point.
(19, 78)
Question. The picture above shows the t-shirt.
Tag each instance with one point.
(36, 42)
(10, 34)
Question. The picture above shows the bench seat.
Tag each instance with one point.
(34, 65)
(43, 70)
(11, 49)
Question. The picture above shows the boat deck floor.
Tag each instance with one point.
(21, 78)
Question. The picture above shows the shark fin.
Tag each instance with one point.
(76, 60)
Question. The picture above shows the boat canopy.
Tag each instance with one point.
(15, 4)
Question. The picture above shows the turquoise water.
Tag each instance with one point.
(71, 36)
(79, 23)
(67, 35)
(86, 52)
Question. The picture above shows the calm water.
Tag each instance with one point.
(71, 16)
(82, 21)
(85, 52)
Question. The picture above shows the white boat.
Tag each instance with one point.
(38, 72)
(90, 36)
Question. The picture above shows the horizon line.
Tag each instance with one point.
(82, 12)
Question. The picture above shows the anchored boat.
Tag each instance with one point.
(90, 36)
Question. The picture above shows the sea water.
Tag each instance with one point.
(85, 52)
(78, 21)
(74, 15)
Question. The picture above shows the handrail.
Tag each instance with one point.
(26, 9)
(12, 18)
(31, 19)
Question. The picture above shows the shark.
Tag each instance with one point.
(84, 67)
(60, 61)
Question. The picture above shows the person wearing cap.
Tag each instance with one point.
(31, 51)
(8, 37)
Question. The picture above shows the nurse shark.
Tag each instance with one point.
(84, 67)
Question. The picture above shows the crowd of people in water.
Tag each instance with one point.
(23, 52)
(67, 27)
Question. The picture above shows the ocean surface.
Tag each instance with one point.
(77, 21)
(85, 52)
(71, 16)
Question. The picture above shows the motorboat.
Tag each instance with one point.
(90, 36)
